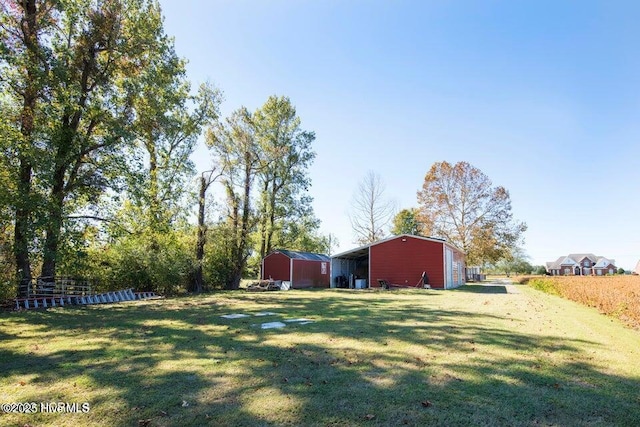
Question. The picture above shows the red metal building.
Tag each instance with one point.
(400, 260)
(302, 269)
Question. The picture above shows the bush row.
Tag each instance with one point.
(617, 296)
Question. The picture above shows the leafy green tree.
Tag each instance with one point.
(515, 261)
(206, 179)
(168, 121)
(620, 270)
(285, 154)
(459, 203)
(166, 132)
(264, 159)
(218, 255)
(303, 235)
(94, 96)
(153, 261)
(25, 66)
(84, 129)
(75, 72)
(540, 269)
(407, 222)
(7, 259)
(234, 144)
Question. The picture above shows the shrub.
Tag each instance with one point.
(540, 269)
(545, 285)
(155, 262)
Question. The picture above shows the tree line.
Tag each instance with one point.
(99, 121)
(457, 203)
(98, 124)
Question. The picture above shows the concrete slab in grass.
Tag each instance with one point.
(234, 316)
(272, 325)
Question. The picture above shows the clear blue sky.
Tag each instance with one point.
(542, 96)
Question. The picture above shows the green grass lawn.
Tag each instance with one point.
(472, 356)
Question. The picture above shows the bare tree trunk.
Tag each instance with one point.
(198, 284)
(240, 261)
(23, 208)
(263, 222)
(154, 185)
(54, 224)
(22, 224)
(271, 223)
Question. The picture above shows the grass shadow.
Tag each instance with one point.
(482, 289)
(401, 358)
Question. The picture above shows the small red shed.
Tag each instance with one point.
(400, 260)
(302, 269)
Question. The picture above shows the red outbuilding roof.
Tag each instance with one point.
(309, 256)
(363, 250)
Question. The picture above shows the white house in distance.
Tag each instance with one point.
(581, 265)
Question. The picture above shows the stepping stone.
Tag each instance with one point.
(265, 313)
(303, 320)
(272, 325)
(234, 316)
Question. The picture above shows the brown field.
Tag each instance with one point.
(617, 296)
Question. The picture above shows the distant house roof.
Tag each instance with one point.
(569, 261)
(604, 262)
(555, 265)
(580, 257)
(309, 256)
(574, 259)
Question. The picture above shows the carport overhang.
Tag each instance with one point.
(356, 253)
(345, 263)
